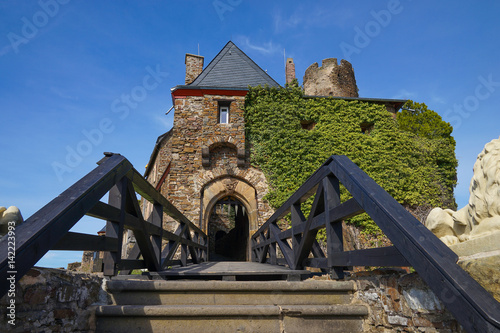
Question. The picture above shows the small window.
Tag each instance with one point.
(366, 128)
(307, 124)
(224, 114)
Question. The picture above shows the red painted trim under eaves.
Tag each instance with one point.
(183, 93)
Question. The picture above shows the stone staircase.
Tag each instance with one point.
(230, 306)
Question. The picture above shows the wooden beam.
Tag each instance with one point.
(129, 264)
(44, 229)
(105, 211)
(192, 249)
(114, 229)
(74, 241)
(279, 261)
(134, 254)
(334, 237)
(472, 305)
(171, 248)
(163, 177)
(142, 236)
(302, 194)
(317, 251)
(383, 256)
(148, 192)
(309, 236)
(156, 219)
(298, 219)
(273, 253)
(263, 249)
(285, 248)
(347, 209)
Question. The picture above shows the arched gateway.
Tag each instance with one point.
(229, 213)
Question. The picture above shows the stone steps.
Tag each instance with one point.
(230, 292)
(230, 306)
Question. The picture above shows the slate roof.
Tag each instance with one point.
(156, 150)
(232, 68)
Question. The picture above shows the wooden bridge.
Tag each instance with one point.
(277, 254)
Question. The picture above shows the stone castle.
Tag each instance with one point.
(202, 164)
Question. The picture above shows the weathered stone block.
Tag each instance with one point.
(331, 79)
(42, 310)
(36, 295)
(401, 302)
(486, 271)
(63, 313)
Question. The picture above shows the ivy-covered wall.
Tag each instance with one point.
(291, 136)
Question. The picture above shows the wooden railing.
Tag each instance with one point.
(48, 229)
(414, 244)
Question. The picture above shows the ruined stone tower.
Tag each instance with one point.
(331, 79)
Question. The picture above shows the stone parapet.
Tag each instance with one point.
(54, 300)
(480, 257)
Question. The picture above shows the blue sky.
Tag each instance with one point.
(67, 67)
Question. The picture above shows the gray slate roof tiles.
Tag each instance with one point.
(232, 68)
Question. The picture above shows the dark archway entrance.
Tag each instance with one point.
(228, 231)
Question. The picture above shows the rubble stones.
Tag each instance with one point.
(55, 300)
(401, 302)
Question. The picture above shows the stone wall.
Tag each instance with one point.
(194, 67)
(289, 71)
(196, 127)
(54, 300)
(401, 302)
(331, 79)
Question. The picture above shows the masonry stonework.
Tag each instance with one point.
(331, 79)
(190, 184)
(194, 67)
(290, 70)
(55, 300)
(401, 302)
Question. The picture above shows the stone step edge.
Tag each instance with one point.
(213, 286)
(351, 310)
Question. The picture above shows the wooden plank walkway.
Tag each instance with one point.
(232, 271)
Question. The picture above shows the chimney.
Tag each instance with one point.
(290, 70)
(194, 67)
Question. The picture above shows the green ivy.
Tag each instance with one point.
(416, 169)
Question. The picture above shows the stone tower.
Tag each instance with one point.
(202, 164)
(331, 79)
(290, 71)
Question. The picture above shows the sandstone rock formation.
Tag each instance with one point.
(481, 217)
(11, 214)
